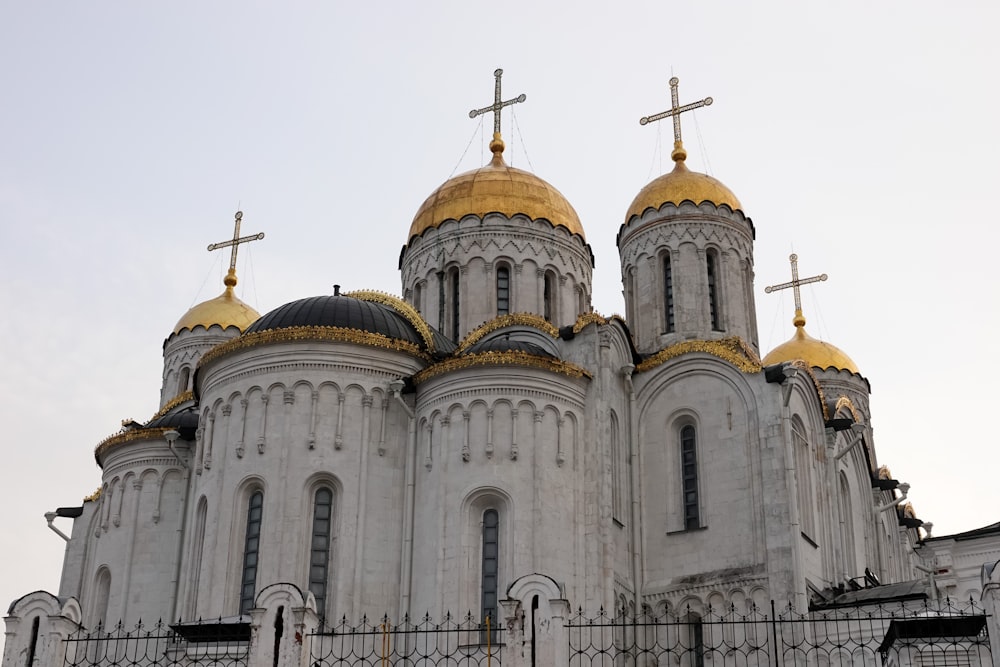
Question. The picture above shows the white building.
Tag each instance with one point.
(488, 437)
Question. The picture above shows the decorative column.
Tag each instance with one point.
(263, 424)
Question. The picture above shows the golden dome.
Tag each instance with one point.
(810, 350)
(496, 188)
(224, 310)
(679, 185)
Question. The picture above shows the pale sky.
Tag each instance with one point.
(861, 135)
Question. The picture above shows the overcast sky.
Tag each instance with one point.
(861, 135)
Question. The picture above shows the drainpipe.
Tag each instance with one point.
(406, 559)
(636, 484)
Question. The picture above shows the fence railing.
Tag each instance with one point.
(424, 643)
(209, 644)
(892, 634)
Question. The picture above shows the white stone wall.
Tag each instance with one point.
(181, 353)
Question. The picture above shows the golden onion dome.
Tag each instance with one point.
(680, 185)
(224, 310)
(496, 188)
(814, 352)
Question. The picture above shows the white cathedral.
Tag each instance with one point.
(488, 437)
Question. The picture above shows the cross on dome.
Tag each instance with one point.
(230, 279)
(675, 112)
(497, 144)
(795, 283)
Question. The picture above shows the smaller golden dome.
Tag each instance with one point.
(814, 352)
(496, 188)
(679, 185)
(224, 310)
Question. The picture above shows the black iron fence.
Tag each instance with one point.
(425, 643)
(200, 644)
(889, 634)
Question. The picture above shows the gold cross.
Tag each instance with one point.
(675, 111)
(235, 244)
(794, 284)
(497, 104)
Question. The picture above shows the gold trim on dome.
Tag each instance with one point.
(732, 350)
(843, 401)
(313, 333)
(135, 435)
(496, 188)
(173, 403)
(92, 498)
(510, 320)
(401, 307)
(588, 318)
(507, 358)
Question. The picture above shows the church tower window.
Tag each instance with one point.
(455, 310)
(503, 290)
(490, 564)
(803, 468)
(183, 380)
(689, 478)
(712, 268)
(319, 548)
(668, 295)
(248, 582)
(847, 528)
(548, 296)
(417, 293)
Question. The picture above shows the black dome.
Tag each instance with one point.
(506, 344)
(339, 311)
(183, 421)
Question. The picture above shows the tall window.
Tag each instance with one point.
(617, 472)
(453, 284)
(490, 564)
(847, 528)
(319, 558)
(696, 640)
(668, 294)
(803, 471)
(248, 583)
(182, 382)
(689, 478)
(417, 293)
(548, 295)
(712, 266)
(503, 290)
(441, 293)
(103, 594)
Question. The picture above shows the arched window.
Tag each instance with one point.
(803, 471)
(712, 267)
(455, 309)
(319, 558)
(689, 478)
(503, 290)
(490, 564)
(183, 379)
(847, 528)
(548, 296)
(201, 516)
(668, 295)
(251, 551)
(102, 593)
(417, 293)
(696, 641)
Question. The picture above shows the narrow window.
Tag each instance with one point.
(201, 516)
(455, 325)
(490, 564)
(319, 559)
(416, 298)
(503, 290)
(547, 296)
(441, 293)
(668, 294)
(712, 264)
(248, 583)
(182, 382)
(847, 528)
(617, 486)
(689, 478)
(803, 459)
(696, 640)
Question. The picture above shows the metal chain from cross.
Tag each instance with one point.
(675, 112)
(795, 283)
(235, 244)
(497, 104)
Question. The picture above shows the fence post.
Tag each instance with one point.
(991, 604)
(516, 652)
(37, 628)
